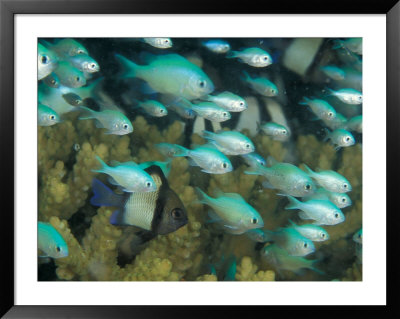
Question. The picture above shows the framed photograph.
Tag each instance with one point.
(215, 155)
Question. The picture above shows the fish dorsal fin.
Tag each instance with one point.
(130, 164)
(235, 196)
(114, 163)
(271, 161)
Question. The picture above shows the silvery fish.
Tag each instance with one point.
(232, 212)
(69, 75)
(348, 96)
(168, 150)
(229, 101)
(129, 176)
(252, 159)
(114, 121)
(277, 131)
(189, 81)
(357, 237)
(182, 110)
(340, 137)
(66, 48)
(51, 242)
(323, 212)
(209, 159)
(52, 80)
(285, 177)
(230, 142)
(261, 85)
(47, 61)
(312, 232)
(355, 124)
(291, 240)
(211, 111)
(84, 63)
(338, 122)
(47, 116)
(330, 180)
(341, 200)
(153, 108)
(257, 235)
(322, 109)
(217, 46)
(334, 72)
(281, 259)
(159, 212)
(252, 56)
(160, 43)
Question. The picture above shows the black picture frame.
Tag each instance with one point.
(8, 10)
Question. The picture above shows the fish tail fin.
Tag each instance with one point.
(87, 114)
(130, 68)
(304, 101)
(329, 91)
(309, 171)
(327, 134)
(312, 266)
(207, 135)
(103, 167)
(104, 196)
(181, 151)
(231, 54)
(246, 76)
(203, 198)
(293, 203)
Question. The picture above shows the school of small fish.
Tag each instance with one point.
(173, 84)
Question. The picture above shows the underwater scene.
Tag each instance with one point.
(200, 159)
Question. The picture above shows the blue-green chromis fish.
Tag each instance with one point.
(168, 150)
(252, 159)
(52, 81)
(252, 56)
(68, 47)
(281, 259)
(229, 101)
(330, 180)
(73, 99)
(357, 237)
(69, 75)
(322, 109)
(159, 43)
(217, 46)
(47, 61)
(233, 213)
(209, 159)
(277, 131)
(84, 63)
(47, 116)
(51, 242)
(129, 176)
(323, 212)
(114, 121)
(261, 85)
(291, 240)
(312, 232)
(355, 124)
(257, 235)
(340, 137)
(348, 96)
(153, 108)
(211, 111)
(338, 122)
(341, 200)
(286, 177)
(165, 166)
(189, 81)
(334, 72)
(159, 212)
(230, 142)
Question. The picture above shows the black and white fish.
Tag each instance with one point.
(160, 212)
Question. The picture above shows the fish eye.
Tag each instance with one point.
(344, 186)
(125, 126)
(322, 235)
(359, 98)
(330, 114)
(80, 51)
(273, 91)
(247, 145)
(52, 117)
(161, 111)
(45, 59)
(176, 213)
(93, 65)
(224, 114)
(347, 138)
(224, 165)
(307, 187)
(241, 104)
(305, 245)
(265, 58)
(254, 220)
(58, 249)
(166, 41)
(77, 79)
(336, 215)
(148, 184)
(343, 199)
(284, 131)
(202, 84)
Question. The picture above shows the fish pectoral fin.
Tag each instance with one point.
(267, 184)
(98, 124)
